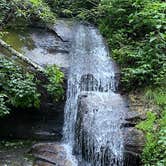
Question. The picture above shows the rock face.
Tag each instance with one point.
(51, 46)
(95, 138)
(98, 128)
(134, 142)
(50, 154)
(15, 156)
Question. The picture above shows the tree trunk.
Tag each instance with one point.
(21, 56)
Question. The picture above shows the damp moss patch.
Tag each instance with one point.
(18, 39)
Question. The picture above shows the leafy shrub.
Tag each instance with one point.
(24, 11)
(17, 88)
(135, 33)
(147, 125)
(3, 108)
(154, 151)
(84, 10)
(154, 128)
(24, 91)
(55, 82)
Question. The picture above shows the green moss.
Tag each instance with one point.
(18, 39)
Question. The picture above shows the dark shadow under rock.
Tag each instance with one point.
(33, 124)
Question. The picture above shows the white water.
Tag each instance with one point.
(92, 72)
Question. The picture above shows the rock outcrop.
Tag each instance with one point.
(95, 125)
(50, 154)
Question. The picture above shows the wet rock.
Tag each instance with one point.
(87, 80)
(98, 128)
(15, 154)
(42, 163)
(48, 49)
(133, 116)
(134, 140)
(131, 159)
(48, 46)
(63, 29)
(101, 134)
(49, 154)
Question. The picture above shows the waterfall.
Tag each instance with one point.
(94, 135)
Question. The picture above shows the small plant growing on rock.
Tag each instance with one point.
(55, 82)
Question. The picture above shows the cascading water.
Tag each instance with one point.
(95, 134)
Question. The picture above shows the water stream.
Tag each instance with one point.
(96, 136)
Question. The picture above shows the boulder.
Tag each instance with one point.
(98, 128)
(134, 141)
(49, 154)
(101, 136)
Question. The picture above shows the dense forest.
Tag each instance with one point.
(135, 33)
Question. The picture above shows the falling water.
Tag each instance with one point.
(97, 136)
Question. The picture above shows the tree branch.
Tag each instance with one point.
(21, 56)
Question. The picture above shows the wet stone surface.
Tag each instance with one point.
(15, 153)
(98, 131)
(51, 46)
(101, 124)
(48, 154)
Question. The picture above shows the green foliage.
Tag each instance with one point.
(55, 82)
(147, 125)
(154, 127)
(154, 151)
(3, 108)
(135, 33)
(84, 10)
(17, 88)
(158, 96)
(23, 90)
(24, 11)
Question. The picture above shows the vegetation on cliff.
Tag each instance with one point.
(134, 30)
(24, 12)
(18, 88)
